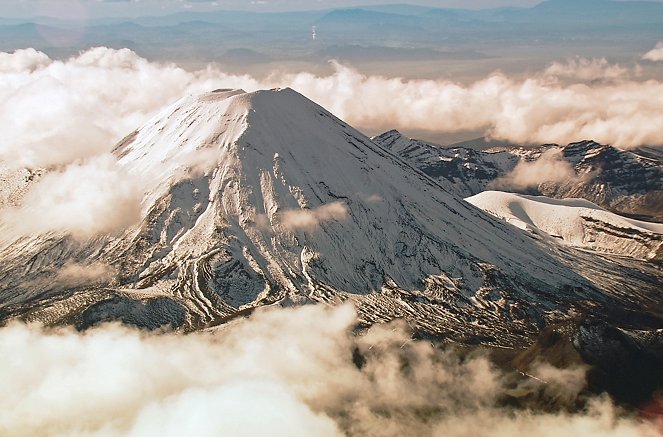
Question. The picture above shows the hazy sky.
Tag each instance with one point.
(23, 8)
(82, 9)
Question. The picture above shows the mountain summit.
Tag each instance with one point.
(266, 197)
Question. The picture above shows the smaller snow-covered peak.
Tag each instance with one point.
(393, 140)
(576, 222)
(390, 134)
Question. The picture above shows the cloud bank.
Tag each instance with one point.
(54, 112)
(84, 199)
(283, 372)
(66, 116)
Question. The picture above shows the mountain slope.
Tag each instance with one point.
(262, 198)
(624, 182)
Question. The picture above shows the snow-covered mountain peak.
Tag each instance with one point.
(185, 134)
(202, 132)
(622, 181)
(256, 198)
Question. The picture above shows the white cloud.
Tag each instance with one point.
(57, 113)
(310, 219)
(27, 60)
(550, 167)
(73, 274)
(623, 112)
(283, 372)
(587, 69)
(655, 54)
(54, 112)
(84, 199)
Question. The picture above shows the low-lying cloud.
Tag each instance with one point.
(596, 69)
(550, 167)
(84, 199)
(74, 274)
(310, 219)
(655, 54)
(298, 371)
(22, 61)
(540, 109)
(66, 116)
(54, 112)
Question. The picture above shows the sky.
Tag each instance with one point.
(95, 8)
(82, 9)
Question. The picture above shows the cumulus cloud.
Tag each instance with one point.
(623, 112)
(21, 61)
(85, 198)
(53, 111)
(56, 114)
(587, 69)
(297, 371)
(310, 219)
(550, 167)
(655, 54)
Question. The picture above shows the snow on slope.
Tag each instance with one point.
(577, 222)
(14, 183)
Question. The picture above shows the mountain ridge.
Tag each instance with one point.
(623, 181)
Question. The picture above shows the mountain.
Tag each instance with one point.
(266, 198)
(483, 38)
(349, 18)
(577, 222)
(463, 171)
(623, 181)
(354, 53)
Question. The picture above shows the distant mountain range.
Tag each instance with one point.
(625, 27)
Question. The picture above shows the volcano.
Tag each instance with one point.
(266, 198)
